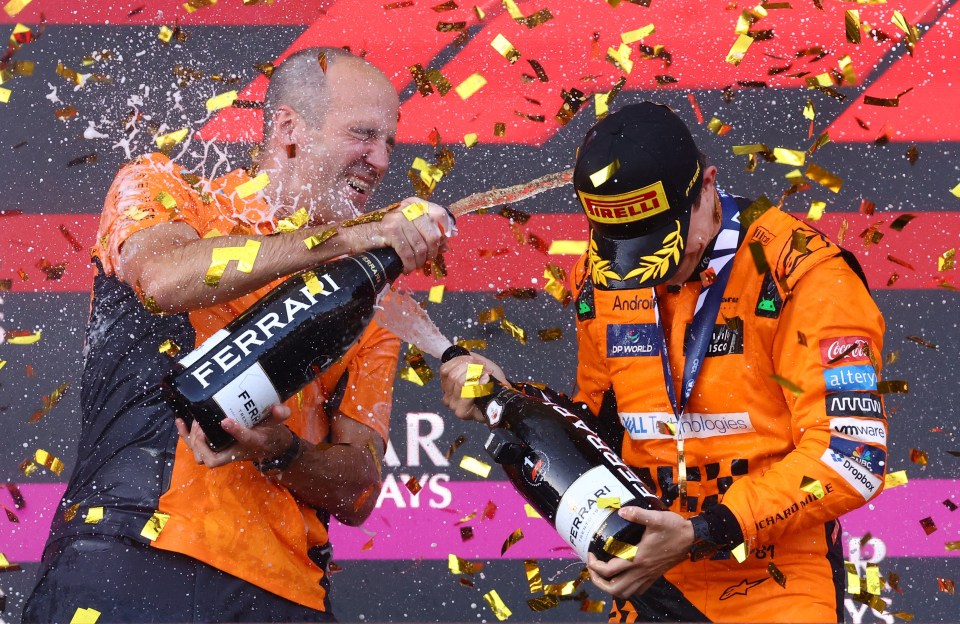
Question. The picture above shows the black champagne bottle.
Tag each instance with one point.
(562, 468)
(280, 344)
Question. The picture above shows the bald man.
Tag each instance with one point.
(154, 525)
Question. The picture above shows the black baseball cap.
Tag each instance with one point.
(638, 174)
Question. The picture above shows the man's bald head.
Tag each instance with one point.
(300, 83)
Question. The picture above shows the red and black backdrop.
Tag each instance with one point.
(889, 105)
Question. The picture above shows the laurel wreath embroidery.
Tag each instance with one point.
(653, 266)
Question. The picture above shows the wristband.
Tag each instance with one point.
(281, 462)
(703, 546)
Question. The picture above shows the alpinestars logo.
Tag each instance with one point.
(741, 588)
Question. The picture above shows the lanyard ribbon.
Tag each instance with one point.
(701, 330)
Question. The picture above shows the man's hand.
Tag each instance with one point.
(666, 542)
(453, 374)
(415, 240)
(267, 439)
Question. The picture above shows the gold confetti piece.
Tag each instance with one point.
(166, 142)
(755, 148)
(822, 176)
(637, 35)
(812, 486)
(530, 511)
(874, 580)
(853, 578)
(94, 515)
(786, 383)
(221, 101)
(245, 257)
(473, 345)
(893, 386)
(620, 57)
(5, 95)
(15, 6)
(951, 546)
(919, 457)
(23, 337)
(499, 129)
(543, 603)
(436, 294)
(608, 502)
(496, 605)
(717, 127)
(592, 606)
(462, 566)
(514, 330)
(71, 512)
(816, 211)
(601, 176)
(740, 552)
(166, 200)
(620, 549)
(512, 539)
(409, 374)
(414, 210)
(852, 21)
(193, 5)
(846, 66)
(315, 240)
(759, 259)
(505, 48)
(946, 261)
(49, 402)
(250, 187)
(739, 49)
(567, 248)
(135, 213)
(533, 576)
(48, 461)
(550, 334)
(477, 467)
(491, 316)
(784, 156)
(169, 347)
(152, 529)
(294, 222)
(470, 139)
(471, 85)
(85, 616)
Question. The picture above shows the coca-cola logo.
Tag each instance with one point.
(844, 349)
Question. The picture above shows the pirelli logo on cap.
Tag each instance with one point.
(626, 207)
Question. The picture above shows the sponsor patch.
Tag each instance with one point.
(870, 457)
(769, 302)
(627, 207)
(763, 235)
(650, 425)
(850, 378)
(862, 480)
(632, 304)
(723, 341)
(632, 340)
(844, 349)
(586, 309)
(866, 404)
(869, 431)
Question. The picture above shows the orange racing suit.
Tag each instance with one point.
(784, 430)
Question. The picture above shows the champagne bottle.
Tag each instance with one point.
(278, 345)
(563, 469)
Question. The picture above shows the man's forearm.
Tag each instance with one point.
(174, 279)
(343, 479)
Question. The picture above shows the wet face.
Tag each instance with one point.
(344, 158)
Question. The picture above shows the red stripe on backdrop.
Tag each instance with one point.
(425, 532)
(28, 240)
(157, 12)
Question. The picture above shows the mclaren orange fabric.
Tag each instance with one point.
(784, 430)
(233, 517)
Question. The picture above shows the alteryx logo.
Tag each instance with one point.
(632, 340)
(870, 457)
(850, 378)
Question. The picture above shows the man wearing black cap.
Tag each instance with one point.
(732, 353)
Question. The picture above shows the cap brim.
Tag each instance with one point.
(640, 262)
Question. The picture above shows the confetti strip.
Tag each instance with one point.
(637, 35)
(315, 240)
(245, 257)
(250, 187)
(739, 49)
(151, 530)
(512, 539)
(620, 549)
(166, 142)
(294, 222)
(604, 174)
(25, 338)
(221, 101)
(457, 565)
(94, 515)
(567, 248)
(505, 49)
(497, 606)
(85, 616)
(471, 85)
(789, 385)
(853, 578)
(534, 579)
(530, 511)
(477, 467)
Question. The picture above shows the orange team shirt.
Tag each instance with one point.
(233, 517)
